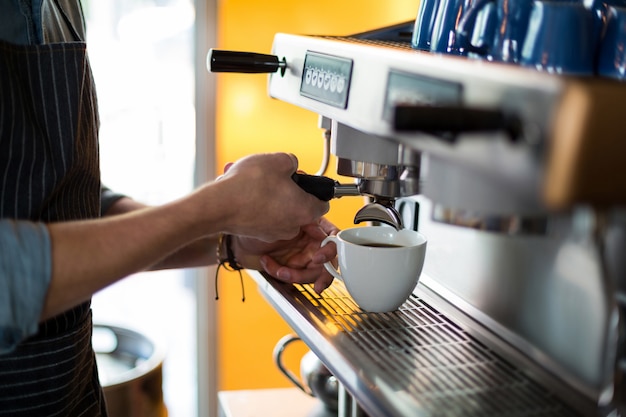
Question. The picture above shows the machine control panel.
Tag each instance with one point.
(326, 78)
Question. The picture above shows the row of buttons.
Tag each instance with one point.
(324, 79)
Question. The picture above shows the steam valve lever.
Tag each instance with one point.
(455, 119)
(244, 62)
(324, 188)
(321, 187)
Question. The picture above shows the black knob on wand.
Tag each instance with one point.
(244, 62)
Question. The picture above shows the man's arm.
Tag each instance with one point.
(201, 252)
(256, 197)
(90, 255)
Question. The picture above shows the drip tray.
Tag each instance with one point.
(410, 362)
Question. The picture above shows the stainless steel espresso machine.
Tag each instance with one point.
(518, 179)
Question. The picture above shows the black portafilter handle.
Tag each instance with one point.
(244, 62)
(447, 121)
(321, 187)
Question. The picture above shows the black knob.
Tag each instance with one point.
(451, 120)
(244, 62)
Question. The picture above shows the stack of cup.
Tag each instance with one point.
(612, 50)
(561, 38)
(572, 37)
(436, 25)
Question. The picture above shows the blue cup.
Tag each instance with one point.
(483, 34)
(612, 51)
(601, 8)
(499, 36)
(447, 17)
(561, 38)
(424, 23)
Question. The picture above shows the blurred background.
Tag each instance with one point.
(167, 126)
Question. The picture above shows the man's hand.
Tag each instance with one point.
(298, 260)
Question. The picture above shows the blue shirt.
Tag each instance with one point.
(25, 270)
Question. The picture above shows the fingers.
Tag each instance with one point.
(314, 231)
(286, 162)
(323, 282)
(226, 168)
(275, 269)
(307, 266)
(312, 274)
(318, 232)
(294, 161)
(325, 254)
(266, 179)
(328, 227)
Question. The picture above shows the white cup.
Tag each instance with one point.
(379, 278)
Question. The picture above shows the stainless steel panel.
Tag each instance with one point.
(543, 293)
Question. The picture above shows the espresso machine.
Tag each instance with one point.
(518, 180)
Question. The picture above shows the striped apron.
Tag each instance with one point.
(49, 172)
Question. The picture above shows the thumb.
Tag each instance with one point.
(227, 166)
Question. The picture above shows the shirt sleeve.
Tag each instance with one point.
(25, 272)
(107, 198)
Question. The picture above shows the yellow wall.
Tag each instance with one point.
(249, 122)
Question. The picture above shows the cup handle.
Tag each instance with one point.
(278, 360)
(466, 28)
(328, 265)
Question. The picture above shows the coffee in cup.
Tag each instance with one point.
(380, 266)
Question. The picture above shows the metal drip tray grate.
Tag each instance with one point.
(443, 369)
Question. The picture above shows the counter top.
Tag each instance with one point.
(275, 402)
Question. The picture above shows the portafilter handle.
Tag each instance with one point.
(244, 62)
(324, 188)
